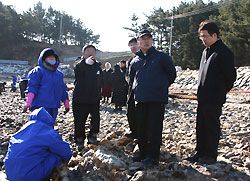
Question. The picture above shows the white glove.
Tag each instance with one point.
(89, 61)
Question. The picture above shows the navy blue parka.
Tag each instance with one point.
(151, 75)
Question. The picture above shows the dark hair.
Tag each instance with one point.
(88, 46)
(133, 40)
(210, 26)
(116, 67)
(123, 61)
(48, 53)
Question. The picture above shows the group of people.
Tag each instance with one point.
(23, 82)
(149, 75)
(115, 85)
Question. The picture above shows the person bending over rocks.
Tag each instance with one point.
(36, 150)
(2, 87)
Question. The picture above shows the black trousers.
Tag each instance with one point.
(23, 85)
(80, 113)
(149, 119)
(208, 130)
(131, 115)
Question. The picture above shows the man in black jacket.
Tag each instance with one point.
(130, 100)
(123, 69)
(87, 95)
(216, 77)
(151, 74)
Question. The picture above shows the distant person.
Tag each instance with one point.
(123, 67)
(13, 84)
(216, 77)
(107, 82)
(87, 95)
(151, 73)
(23, 85)
(36, 149)
(46, 87)
(118, 88)
(2, 87)
(130, 101)
(124, 71)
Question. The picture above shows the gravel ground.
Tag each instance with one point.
(178, 141)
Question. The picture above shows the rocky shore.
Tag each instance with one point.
(111, 159)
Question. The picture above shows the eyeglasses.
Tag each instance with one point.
(204, 36)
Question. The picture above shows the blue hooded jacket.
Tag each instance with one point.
(14, 79)
(35, 149)
(48, 86)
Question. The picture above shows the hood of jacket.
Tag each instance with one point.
(40, 59)
(42, 115)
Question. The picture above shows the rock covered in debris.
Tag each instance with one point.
(106, 159)
(14, 69)
(188, 79)
(243, 78)
(67, 72)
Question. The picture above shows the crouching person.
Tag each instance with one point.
(36, 150)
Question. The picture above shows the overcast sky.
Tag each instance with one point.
(104, 17)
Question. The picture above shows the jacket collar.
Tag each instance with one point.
(150, 52)
(215, 45)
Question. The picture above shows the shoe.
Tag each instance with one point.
(194, 158)
(150, 162)
(79, 143)
(130, 135)
(93, 140)
(207, 160)
(138, 157)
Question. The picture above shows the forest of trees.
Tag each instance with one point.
(232, 17)
(43, 26)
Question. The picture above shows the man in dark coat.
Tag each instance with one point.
(23, 85)
(87, 95)
(216, 77)
(118, 89)
(123, 69)
(151, 74)
(130, 100)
